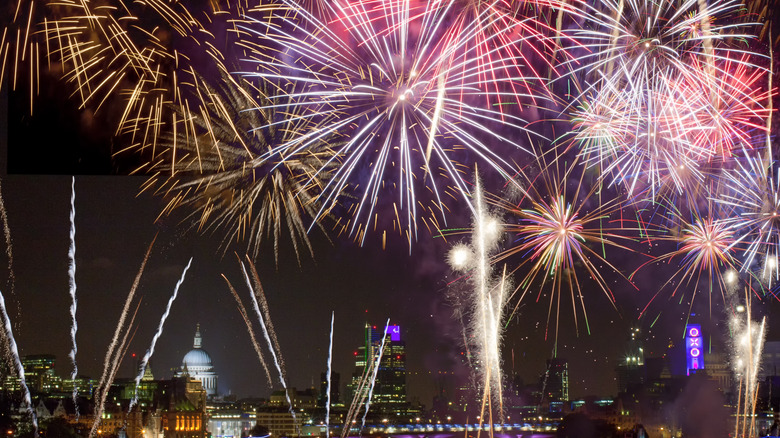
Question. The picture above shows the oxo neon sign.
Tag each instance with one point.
(694, 348)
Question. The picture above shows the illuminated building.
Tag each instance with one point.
(183, 403)
(197, 364)
(631, 367)
(231, 422)
(83, 384)
(555, 383)
(694, 348)
(38, 375)
(280, 422)
(306, 399)
(389, 391)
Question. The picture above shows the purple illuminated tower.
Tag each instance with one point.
(694, 349)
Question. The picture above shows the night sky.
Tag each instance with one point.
(115, 224)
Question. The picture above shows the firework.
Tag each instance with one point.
(706, 248)
(157, 334)
(407, 111)
(131, 61)
(664, 91)
(511, 38)
(558, 225)
(727, 108)
(753, 198)
(633, 42)
(216, 166)
(487, 300)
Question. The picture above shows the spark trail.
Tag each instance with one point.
(268, 339)
(269, 326)
(110, 363)
(252, 337)
(330, 359)
(72, 288)
(8, 248)
(18, 364)
(157, 335)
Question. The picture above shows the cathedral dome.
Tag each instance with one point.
(196, 357)
(197, 364)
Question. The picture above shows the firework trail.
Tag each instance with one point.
(380, 78)
(491, 304)
(377, 364)
(157, 335)
(72, 288)
(8, 242)
(269, 326)
(260, 318)
(251, 331)
(357, 399)
(113, 354)
(9, 253)
(746, 353)
(102, 393)
(18, 364)
(330, 357)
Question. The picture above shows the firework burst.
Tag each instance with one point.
(664, 90)
(216, 167)
(560, 223)
(706, 249)
(753, 198)
(404, 97)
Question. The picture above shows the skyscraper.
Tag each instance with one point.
(555, 383)
(335, 392)
(631, 367)
(389, 389)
